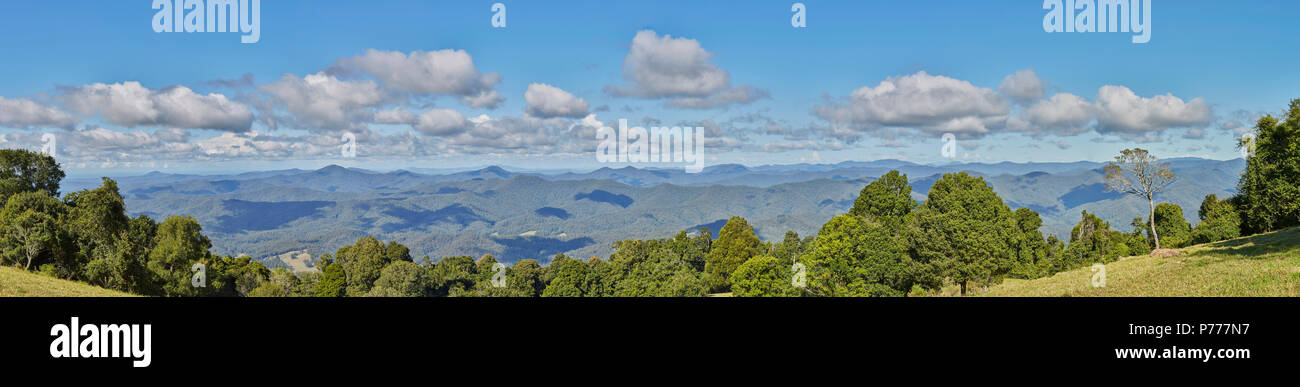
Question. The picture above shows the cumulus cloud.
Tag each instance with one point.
(26, 114)
(324, 102)
(1023, 86)
(1122, 112)
(442, 72)
(921, 102)
(130, 104)
(548, 101)
(680, 70)
(1064, 114)
(440, 122)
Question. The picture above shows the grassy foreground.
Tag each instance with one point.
(19, 283)
(1264, 265)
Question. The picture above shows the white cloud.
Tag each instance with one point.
(681, 70)
(918, 102)
(1122, 112)
(324, 102)
(546, 101)
(130, 104)
(442, 72)
(1064, 114)
(25, 114)
(1023, 86)
(440, 122)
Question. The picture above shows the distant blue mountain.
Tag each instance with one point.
(516, 215)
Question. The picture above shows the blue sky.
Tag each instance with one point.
(1218, 64)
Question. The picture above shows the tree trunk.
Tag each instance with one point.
(963, 288)
(1152, 223)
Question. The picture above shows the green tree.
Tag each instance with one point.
(179, 244)
(96, 219)
(764, 276)
(736, 244)
(403, 279)
(123, 265)
(457, 274)
(31, 233)
(1171, 224)
(26, 171)
(1092, 241)
(333, 281)
(280, 283)
(1219, 221)
(363, 262)
(888, 200)
(964, 230)
(789, 248)
(1031, 258)
(525, 278)
(1268, 189)
(569, 278)
(857, 257)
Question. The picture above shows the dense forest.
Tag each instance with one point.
(961, 235)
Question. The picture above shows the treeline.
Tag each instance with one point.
(961, 235)
(87, 236)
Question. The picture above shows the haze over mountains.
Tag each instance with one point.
(519, 215)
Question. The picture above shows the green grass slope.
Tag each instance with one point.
(1265, 265)
(19, 283)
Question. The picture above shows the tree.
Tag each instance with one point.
(403, 279)
(457, 274)
(26, 171)
(96, 219)
(333, 281)
(736, 244)
(525, 278)
(647, 268)
(178, 245)
(1031, 251)
(857, 257)
(789, 248)
(1268, 189)
(1219, 221)
(123, 265)
(363, 262)
(1137, 172)
(31, 234)
(963, 230)
(1169, 222)
(568, 278)
(765, 276)
(1092, 241)
(888, 199)
(280, 283)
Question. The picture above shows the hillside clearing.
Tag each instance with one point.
(1265, 265)
(19, 283)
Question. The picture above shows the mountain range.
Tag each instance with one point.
(515, 214)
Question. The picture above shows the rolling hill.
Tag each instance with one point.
(19, 283)
(1265, 265)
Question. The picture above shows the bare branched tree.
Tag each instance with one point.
(1137, 172)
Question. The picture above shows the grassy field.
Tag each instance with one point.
(19, 283)
(1265, 265)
